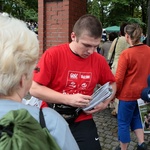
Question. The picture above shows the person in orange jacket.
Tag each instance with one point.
(131, 77)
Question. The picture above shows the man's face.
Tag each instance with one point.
(85, 45)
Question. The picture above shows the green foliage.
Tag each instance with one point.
(22, 9)
(95, 8)
(115, 12)
(31, 14)
(110, 12)
(135, 20)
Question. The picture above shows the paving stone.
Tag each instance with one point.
(108, 130)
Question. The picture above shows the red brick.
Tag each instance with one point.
(56, 19)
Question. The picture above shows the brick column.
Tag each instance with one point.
(56, 19)
(41, 22)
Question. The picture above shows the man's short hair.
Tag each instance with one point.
(90, 24)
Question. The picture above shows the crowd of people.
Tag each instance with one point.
(33, 26)
(130, 50)
(66, 75)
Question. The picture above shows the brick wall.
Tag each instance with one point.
(56, 19)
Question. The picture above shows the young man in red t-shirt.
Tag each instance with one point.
(67, 74)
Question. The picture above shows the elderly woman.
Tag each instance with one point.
(19, 52)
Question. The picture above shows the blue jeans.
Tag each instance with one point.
(128, 117)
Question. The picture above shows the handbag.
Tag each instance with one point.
(69, 113)
(113, 55)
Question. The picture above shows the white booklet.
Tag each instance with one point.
(100, 95)
(33, 101)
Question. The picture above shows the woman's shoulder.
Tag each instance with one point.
(53, 116)
(49, 114)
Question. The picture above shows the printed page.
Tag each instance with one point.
(145, 115)
(101, 94)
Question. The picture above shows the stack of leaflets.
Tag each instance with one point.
(100, 95)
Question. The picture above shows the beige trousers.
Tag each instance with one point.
(116, 101)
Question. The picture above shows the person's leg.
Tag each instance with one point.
(85, 134)
(125, 113)
(136, 126)
(123, 146)
(116, 106)
(116, 101)
(140, 135)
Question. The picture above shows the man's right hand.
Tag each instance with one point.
(78, 100)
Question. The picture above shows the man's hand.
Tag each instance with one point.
(78, 100)
(103, 105)
(97, 108)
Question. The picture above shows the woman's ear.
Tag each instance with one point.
(128, 39)
(128, 36)
(22, 80)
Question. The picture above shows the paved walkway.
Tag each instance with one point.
(107, 129)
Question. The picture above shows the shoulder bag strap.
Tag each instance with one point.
(41, 119)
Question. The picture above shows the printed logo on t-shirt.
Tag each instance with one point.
(77, 82)
(37, 69)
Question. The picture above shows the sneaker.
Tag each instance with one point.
(118, 148)
(143, 146)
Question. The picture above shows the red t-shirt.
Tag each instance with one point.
(67, 73)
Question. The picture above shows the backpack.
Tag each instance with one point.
(19, 130)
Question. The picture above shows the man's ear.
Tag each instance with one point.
(73, 36)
